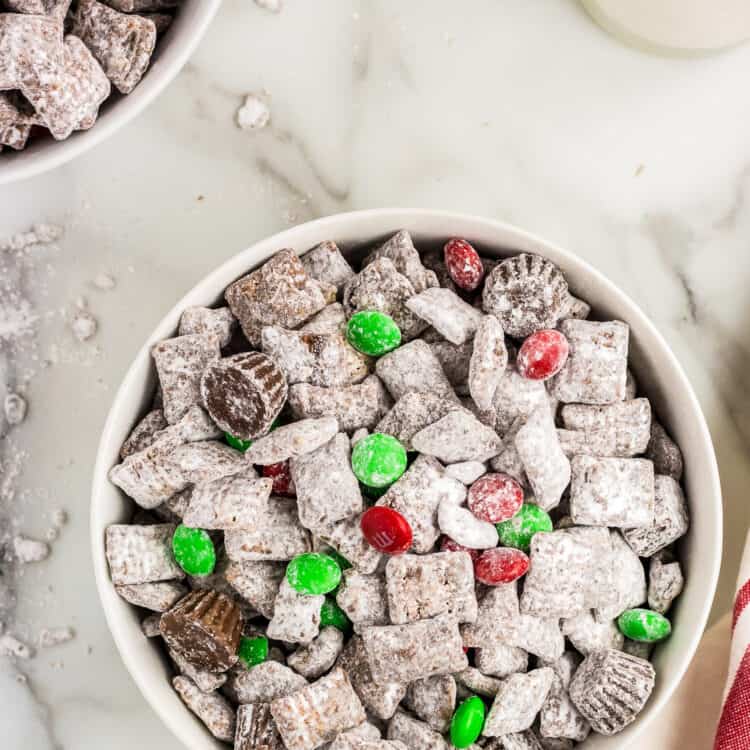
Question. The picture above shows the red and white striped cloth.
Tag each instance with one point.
(733, 731)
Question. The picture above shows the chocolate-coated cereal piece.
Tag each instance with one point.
(420, 649)
(122, 44)
(326, 263)
(280, 537)
(205, 460)
(628, 581)
(415, 734)
(401, 251)
(596, 369)
(526, 293)
(257, 581)
(331, 319)
(454, 359)
(141, 554)
(520, 741)
(296, 616)
(461, 525)
(628, 421)
(324, 359)
(447, 313)
(518, 702)
(467, 472)
(256, 729)
(347, 742)
(204, 628)
(433, 699)
(244, 393)
(318, 713)
(347, 539)
(559, 718)
(363, 598)
(54, 8)
(217, 322)
(515, 397)
(158, 596)
(211, 708)
(610, 688)
(664, 452)
(575, 308)
(476, 682)
(143, 433)
(489, 359)
(599, 443)
(206, 681)
(413, 367)
(587, 634)
(670, 520)
(264, 682)
(422, 586)
(17, 117)
(501, 660)
(292, 441)
(180, 362)
(458, 436)
(354, 406)
(280, 293)
(665, 582)
(316, 659)
(143, 6)
(612, 492)
(150, 625)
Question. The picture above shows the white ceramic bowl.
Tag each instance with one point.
(172, 52)
(655, 367)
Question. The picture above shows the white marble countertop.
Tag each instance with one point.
(521, 111)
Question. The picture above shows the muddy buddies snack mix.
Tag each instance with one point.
(61, 59)
(436, 513)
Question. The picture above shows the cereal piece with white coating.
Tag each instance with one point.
(401, 251)
(518, 702)
(413, 367)
(316, 659)
(217, 322)
(447, 313)
(466, 472)
(379, 286)
(150, 625)
(461, 525)
(433, 699)
(508, 461)
(325, 262)
(363, 598)
(318, 713)
(435, 262)
(420, 649)
(238, 501)
(345, 742)
(264, 682)
(17, 118)
(519, 741)
(515, 397)
(331, 319)
(596, 369)
(665, 583)
(292, 440)
(354, 406)
(628, 581)
(256, 729)
(211, 708)
(501, 660)
(296, 616)
(327, 490)
(158, 596)
(381, 699)
(257, 582)
(587, 634)
(280, 537)
(610, 689)
(454, 359)
(571, 571)
(628, 421)
(141, 554)
(476, 682)
(279, 293)
(194, 425)
(575, 308)
(423, 586)
(347, 539)
(664, 452)
(205, 680)
(415, 734)
(558, 717)
(122, 44)
(670, 520)
(458, 436)
(413, 412)
(489, 359)
(638, 648)
(324, 359)
(180, 363)
(206, 460)
(142, 435)
(417, 495)
(598, 443)
(612, 492)
(545, 465)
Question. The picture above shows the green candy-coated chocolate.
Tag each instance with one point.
(332, 614)
(467, 722)
(237, 443)
(194, 551)
(253, 651)
(517, 531)
(378, 460)
(313, 573)
(644, 625)
(372, 332)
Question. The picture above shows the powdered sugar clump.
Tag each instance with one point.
(254, 113)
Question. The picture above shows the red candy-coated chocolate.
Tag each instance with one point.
(449, 545)
(386, 530)
(542, 355)
(283, 484)
(500, 565)
(464, 264)
(495, 498)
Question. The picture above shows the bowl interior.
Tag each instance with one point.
(172, 51)
(656, 369)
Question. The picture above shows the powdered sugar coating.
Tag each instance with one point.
(447, 313)
(665, 583)
(489, 359)
(211, 708)
(141, 554)
(326, 263)
(517, 702)
(413, 367)
(217, 322)
(401, 251)
(292, 440)
(433, 699)
(363, 598)
(316, 659)
(414, 734)
(458, 436)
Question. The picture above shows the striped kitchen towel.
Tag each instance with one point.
(733, 732)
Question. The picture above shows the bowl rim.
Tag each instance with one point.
(381, 221)
(23, 165)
